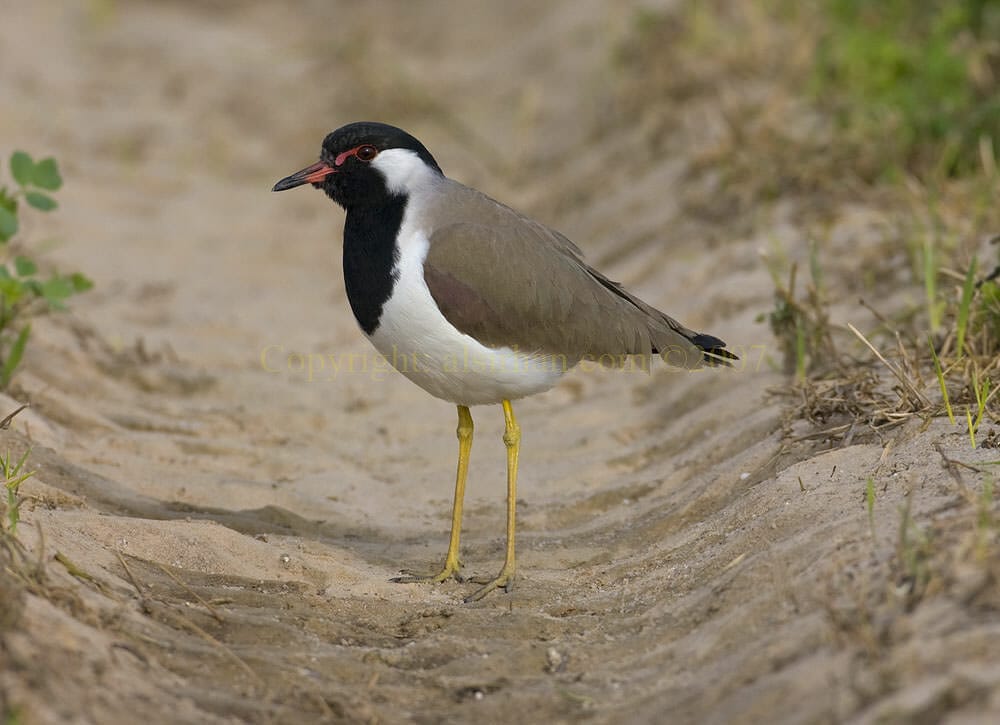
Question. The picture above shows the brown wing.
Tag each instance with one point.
(509, 281)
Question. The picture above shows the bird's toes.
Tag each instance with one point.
(505, 581)
(411, 577)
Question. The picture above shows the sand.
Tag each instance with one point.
(685, 554)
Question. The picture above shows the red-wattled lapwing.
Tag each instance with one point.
(472, 301)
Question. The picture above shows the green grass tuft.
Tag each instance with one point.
(940, 378)
(964, 305)
(917, 75)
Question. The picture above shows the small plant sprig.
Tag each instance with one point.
(14, 475)
(802, 327)
(23, 292)
(981, 390)
(964, 307)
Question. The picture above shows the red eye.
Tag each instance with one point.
(367, 153)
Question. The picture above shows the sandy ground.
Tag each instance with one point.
(686, 554)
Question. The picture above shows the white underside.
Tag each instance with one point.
(419, 341)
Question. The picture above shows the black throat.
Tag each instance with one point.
(370, 256)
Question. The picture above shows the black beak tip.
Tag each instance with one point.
(289, 182)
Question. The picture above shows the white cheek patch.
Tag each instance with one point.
(404, 171)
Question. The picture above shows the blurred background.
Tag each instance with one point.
(766, 171)
(697, 122)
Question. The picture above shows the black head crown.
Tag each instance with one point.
(345, 171)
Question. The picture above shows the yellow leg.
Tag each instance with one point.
(451, 563)
(512, 439)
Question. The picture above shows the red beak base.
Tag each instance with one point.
(309, 175)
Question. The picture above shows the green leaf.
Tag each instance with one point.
(55, 290)
(42, 202)
(8, 201)
(8, 224)
(11, 290)
(80, 282)
(46, 175)
(22, 168)
(14, 356)
(24, 266)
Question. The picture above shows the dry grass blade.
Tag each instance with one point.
(212, 610)
(151, 605)
(907, 384)
(75, 571)
(5, 423)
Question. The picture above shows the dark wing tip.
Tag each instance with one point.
(715, 352)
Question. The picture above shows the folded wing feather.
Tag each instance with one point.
(509, 281)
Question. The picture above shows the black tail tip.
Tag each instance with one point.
(714, 349)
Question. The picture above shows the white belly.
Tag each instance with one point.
(419, 341)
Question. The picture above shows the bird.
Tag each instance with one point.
(473, 301)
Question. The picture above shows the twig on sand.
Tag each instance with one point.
(953, 465)
(151, 605)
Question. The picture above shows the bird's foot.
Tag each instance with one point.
(504, 580)
(451, 570)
